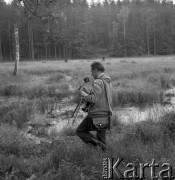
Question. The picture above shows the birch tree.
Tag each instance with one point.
(16, 15)
(16, 37)
(124, 12)
(2, 24)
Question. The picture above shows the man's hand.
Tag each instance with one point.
(83, 94)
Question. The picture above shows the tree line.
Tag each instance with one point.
(71, 29)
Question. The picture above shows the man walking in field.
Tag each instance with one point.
(100, 111)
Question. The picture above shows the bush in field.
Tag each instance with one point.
(44, 72)
(56, 77)
(135, 97)
(168, 70)
(68, 131)
(140, 143)
(11, 90)
(146, 132)
(167, 123)
(115, 121)
(17, 113)
(68, 159)
(52, 90)
(60, 90)
(78, 156)
(46, 105)
(12, 142)
(12, 167)
(161, 80)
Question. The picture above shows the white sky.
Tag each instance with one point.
(8, 1)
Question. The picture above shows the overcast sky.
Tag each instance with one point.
(7, 1)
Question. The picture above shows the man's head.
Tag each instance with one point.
(96, 69)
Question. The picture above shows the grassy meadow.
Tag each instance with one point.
(40, 86)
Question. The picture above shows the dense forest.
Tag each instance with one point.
(70, 29)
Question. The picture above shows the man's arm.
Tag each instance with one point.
(96, 91)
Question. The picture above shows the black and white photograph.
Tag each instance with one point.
(87, 89)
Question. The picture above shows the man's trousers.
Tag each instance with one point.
(83, 132)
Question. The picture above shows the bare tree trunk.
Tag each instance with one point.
(147, 35)
(60, 52)
(49, 51)
(86, 25)
(1, 57)
(55, 48)
(31, 44)
(29, 40)
(16, 34)
(65, 54)
(10, 48)
(45, 49)
(124, 34)
(154, 38)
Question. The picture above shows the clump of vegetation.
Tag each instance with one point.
(115, 121)
(10, 90)
(46, 105)
(70, 158)
(12, 142)
(123, 61)
(167, 123)
(68, 131)
(135, 97)
(44, 71)
(56, 77)
(48, 90)
(17, 113)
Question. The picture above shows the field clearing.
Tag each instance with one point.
(117, 63)
(40, 99)
(35, 73)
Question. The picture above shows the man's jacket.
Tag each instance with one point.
(98, 96)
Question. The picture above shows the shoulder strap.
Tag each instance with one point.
(108, 104)
(106, 93)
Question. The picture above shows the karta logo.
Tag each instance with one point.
(117, 169)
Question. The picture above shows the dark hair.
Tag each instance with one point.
(98, 66)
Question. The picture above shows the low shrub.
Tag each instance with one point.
(45, 71)
(167, 123)
(146, 132)
(115, 121)
(12, 142)
(68, 131)
(46, 105)
(60, 90)
(135, 97)
(12, 167)
(17, 113)
(11, 90)
(56, 77)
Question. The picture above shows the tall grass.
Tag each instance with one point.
(135, 97)
(17, 113)
(48, 90)
(69, 158)
(12, 142)
(140, 88)
(45, 71)
(167, 123)
(68, 131)
(56, 77)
